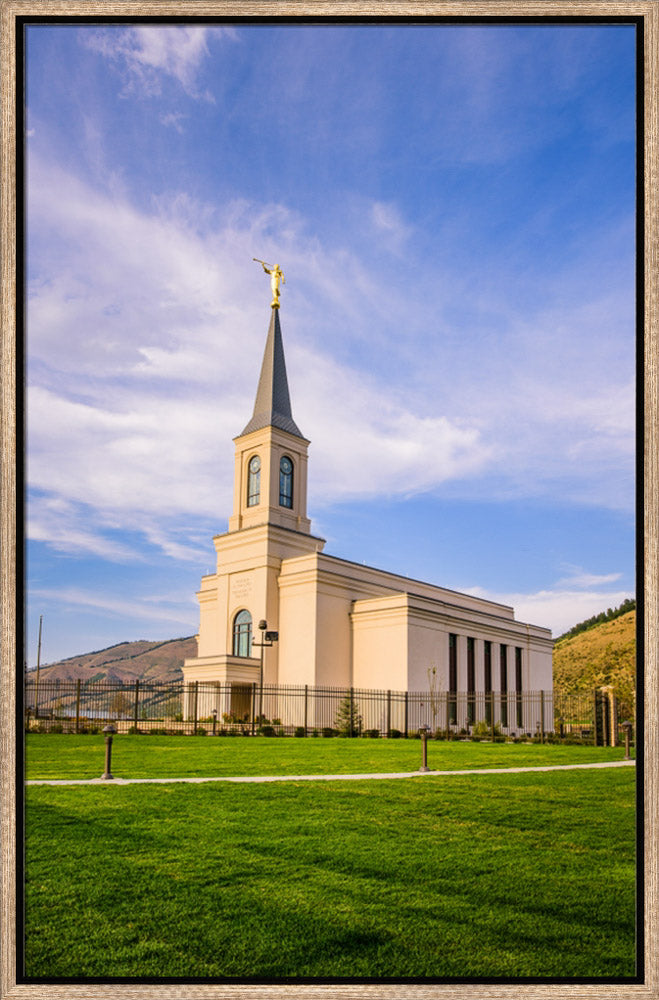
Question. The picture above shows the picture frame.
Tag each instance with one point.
(12, 14)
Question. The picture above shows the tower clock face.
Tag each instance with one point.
(286, 465)
(255, 464)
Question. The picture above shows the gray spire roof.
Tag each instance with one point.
(273, 403)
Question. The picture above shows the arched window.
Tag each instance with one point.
(242, 634)
(254, 481)
(286, 482)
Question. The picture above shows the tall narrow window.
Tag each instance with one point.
(487, 654)
(452, 678)
(286, 482)
(254, 481)
(471, 679)
(518, 685)
(504, 684)
(242, 634)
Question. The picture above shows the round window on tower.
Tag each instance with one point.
(254, 481)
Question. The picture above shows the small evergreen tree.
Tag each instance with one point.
(348, 721)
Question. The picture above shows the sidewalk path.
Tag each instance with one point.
(329, 777)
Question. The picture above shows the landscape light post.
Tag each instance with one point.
(267, 639)
(627, 726)
(424, 730)
(109, 733)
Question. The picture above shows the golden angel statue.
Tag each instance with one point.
(276, 276)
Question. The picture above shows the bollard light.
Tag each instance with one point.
(423, 731)
(109, 731)
(627, 726)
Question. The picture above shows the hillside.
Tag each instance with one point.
(158, 662)
(601, 655)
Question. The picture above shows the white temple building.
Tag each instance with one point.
(338, 623)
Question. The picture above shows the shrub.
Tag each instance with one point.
(371, 734)
(314, 732)
(300, 731)
(395, 734)
(200, 731)
(266, 731)
(484, 729)
(328, 731)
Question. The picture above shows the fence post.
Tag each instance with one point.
(595, 717)
(542, 716)
(448, 725)
(196, 703)
(78, 705)
(406, 713)
(388, 714)
(492, 723)
(253, 707)
(306, 697)
(352, 703)
(137, 702)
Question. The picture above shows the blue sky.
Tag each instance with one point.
(453, 209)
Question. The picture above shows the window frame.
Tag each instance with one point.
(254, 481)
(286, 483)
(241, 631)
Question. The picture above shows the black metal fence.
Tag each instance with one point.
(209, 708)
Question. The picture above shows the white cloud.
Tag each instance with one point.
(389, 225)
(146, 331)
(560, 607)
(154, 608)
(174, 120)
(146, 54)
(581, 579)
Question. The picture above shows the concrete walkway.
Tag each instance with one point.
(330, 777)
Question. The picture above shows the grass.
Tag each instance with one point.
(508, 875)
(55, 756)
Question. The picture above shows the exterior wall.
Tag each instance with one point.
(380, 643)
(248, 567)
(297, 628)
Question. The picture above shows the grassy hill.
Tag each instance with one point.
(602, 655)
(158, 662)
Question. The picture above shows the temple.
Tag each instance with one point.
(337, 623)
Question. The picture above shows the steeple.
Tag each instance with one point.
(272, 407)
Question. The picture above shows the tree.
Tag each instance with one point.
(348, 720)
(120, 704)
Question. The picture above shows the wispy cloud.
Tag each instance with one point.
(146, 54)
(174, 120)
(145, 335)
(153, 608)
(572, 599)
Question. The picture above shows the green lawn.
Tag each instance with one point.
(508, 875)
(56, 756)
